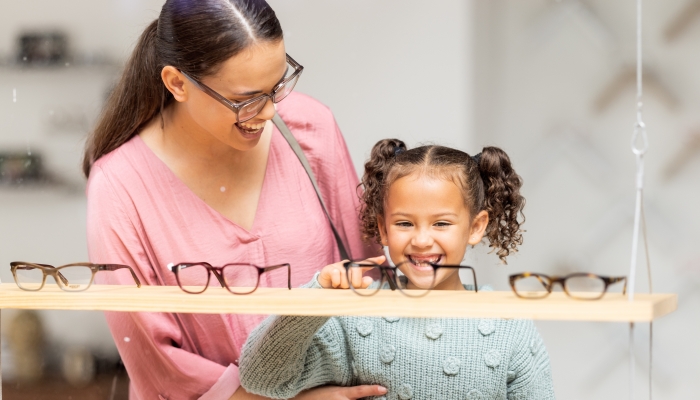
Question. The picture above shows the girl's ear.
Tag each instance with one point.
(478, 228)
(382, 230)
(174, 81)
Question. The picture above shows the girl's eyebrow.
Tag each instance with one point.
(442, 214)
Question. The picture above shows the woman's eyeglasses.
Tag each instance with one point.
(423, 277)
(238, 278)
(247, 110)
(71, 277)
(582, 286)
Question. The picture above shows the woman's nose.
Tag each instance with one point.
(268, 111)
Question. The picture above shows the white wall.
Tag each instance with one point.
(540, 66)
(372, 62)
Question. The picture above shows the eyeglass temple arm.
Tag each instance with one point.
(289, 272)
(618, 279)
(114, 267)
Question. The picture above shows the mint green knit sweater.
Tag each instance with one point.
(414, 358)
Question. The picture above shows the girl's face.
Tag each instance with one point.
(426, 220)
(254, 71)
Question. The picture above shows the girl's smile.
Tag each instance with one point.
(427, 222)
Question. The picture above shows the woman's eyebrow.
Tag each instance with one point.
(254, 92)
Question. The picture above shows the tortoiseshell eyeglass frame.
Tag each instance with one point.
(236, 106)
(61, 281)
(549, 281)
(218, 273)
(390, 276)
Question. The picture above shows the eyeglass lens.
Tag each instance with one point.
(250, 110)
(532, 286)
(240, 279)
(75, 278)
(584, 287)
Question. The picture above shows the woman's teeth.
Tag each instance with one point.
(252, 127)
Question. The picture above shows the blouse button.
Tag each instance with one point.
(391, 319)
(405, 392)
(433, 331)
(492, 358)
(364, 328)
(475, 395)
(387, 354)
(486, 327)
(451, 365)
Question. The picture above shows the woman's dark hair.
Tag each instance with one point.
(194, 36)
(488, 182)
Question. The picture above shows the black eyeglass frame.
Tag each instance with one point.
(390, 276)
(218, 273)
(55, 272)
(550, 281)
(238, 105)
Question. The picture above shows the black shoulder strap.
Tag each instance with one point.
(279, 123)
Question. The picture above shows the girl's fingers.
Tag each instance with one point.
(366, 281)
(376, 260)
(335, 278)
(356, 277)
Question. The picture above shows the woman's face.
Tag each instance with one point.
(426, 220)
(250, 73)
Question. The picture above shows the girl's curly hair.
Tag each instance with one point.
(488, 182)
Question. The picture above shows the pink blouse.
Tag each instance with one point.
(142, 215)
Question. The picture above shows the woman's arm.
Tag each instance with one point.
(150, 344)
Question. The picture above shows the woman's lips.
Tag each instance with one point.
(249, 133)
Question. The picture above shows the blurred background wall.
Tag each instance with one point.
(538, 78)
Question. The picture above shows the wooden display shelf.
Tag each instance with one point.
(612, 308)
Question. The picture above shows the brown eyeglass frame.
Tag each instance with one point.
(217, 271)
(55, 272)
(561, 280)
(389, 275)
(238, 105)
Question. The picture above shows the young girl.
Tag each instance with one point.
(427, 205)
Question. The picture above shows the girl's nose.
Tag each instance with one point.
(422, 239)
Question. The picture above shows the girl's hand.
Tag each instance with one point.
(334, 276)
(341, 393)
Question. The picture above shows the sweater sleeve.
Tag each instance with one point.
(151, 345)
(285, 355)
(529, 374)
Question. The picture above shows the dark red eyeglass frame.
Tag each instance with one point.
(218, 273)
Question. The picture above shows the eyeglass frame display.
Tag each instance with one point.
(238, 105)
(561, 280)
(393, 285)
(217, 273)
(55, 273)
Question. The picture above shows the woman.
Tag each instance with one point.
(177, 175)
